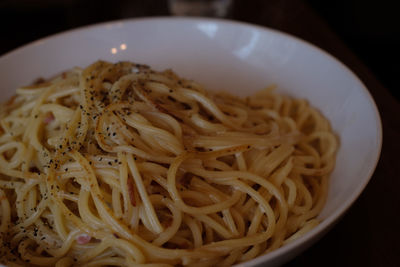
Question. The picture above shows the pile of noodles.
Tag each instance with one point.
(118, 164)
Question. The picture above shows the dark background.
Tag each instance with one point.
(372, 30)
(368, 235)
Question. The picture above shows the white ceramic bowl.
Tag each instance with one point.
(231, 56)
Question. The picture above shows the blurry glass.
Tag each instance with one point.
(204, 8)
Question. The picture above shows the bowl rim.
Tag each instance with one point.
(332, 218)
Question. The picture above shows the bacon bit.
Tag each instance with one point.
(131, 191)
(11, 100)
(83, 239)
(49, 118)
(39, 80)
(168, 222)
(186, 178)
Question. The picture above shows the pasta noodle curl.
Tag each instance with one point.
(118, 164)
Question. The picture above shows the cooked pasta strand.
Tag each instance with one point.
(119, 164)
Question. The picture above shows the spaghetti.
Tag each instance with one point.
(118, 164)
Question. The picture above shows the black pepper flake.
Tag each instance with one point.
(171, 98)
(186, 106)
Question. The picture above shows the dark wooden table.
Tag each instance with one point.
(369, 234)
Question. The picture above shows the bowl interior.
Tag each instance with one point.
(225, 55)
